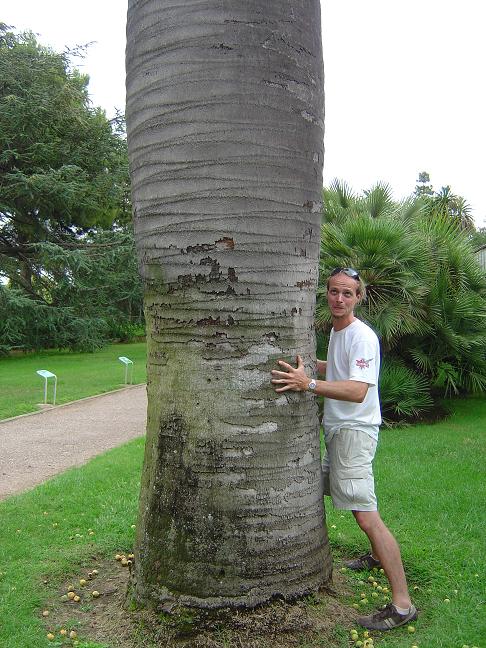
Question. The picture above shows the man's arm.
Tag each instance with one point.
(295, 379)
(321, 367)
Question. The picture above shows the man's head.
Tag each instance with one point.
(345, 289)
(353, 274)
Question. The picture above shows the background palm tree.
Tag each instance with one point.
(444, 203)
(426, 294)
(225, 135)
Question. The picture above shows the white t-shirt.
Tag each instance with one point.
(353, 354)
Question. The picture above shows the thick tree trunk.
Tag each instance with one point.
(225, 134)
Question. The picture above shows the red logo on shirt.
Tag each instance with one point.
(363, 364)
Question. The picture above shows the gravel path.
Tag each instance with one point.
(37, 446)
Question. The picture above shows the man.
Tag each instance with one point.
(351, 423)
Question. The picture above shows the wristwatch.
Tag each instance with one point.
(312, 385)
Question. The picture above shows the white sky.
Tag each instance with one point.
(405, 84)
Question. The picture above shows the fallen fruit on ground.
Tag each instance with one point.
(411, 629)
(73, 634)
(50, 636)
(95, 594)
(45, 613)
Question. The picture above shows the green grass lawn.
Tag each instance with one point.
(431, 487)
(432, 491)
(78, 375)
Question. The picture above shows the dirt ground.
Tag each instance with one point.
(37, 446)
(319, 620)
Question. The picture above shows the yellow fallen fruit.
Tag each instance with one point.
(95, 594)
(50, 636)
(63, 632)
(411, 629)
(95, 572)
(45, 613)
(82, 582)
(73, 634)
(71, 595)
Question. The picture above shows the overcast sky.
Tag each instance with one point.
(405, 84)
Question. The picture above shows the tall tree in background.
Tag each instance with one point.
(63, 165)
(444, 203)
(63, 179)
(225, 135)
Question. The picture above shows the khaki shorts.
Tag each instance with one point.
(347, 470)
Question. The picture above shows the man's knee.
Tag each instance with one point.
(368, 520)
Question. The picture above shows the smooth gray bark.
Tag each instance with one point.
(225, 135)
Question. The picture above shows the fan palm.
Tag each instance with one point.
(426, 294)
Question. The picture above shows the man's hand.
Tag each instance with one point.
(294, 379)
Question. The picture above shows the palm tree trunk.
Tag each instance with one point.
(225, 135)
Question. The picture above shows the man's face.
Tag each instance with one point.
(342, 298)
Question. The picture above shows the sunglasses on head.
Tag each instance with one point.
(350, 272)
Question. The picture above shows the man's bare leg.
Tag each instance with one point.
(386, 549)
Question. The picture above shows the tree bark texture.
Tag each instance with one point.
(225, 135)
